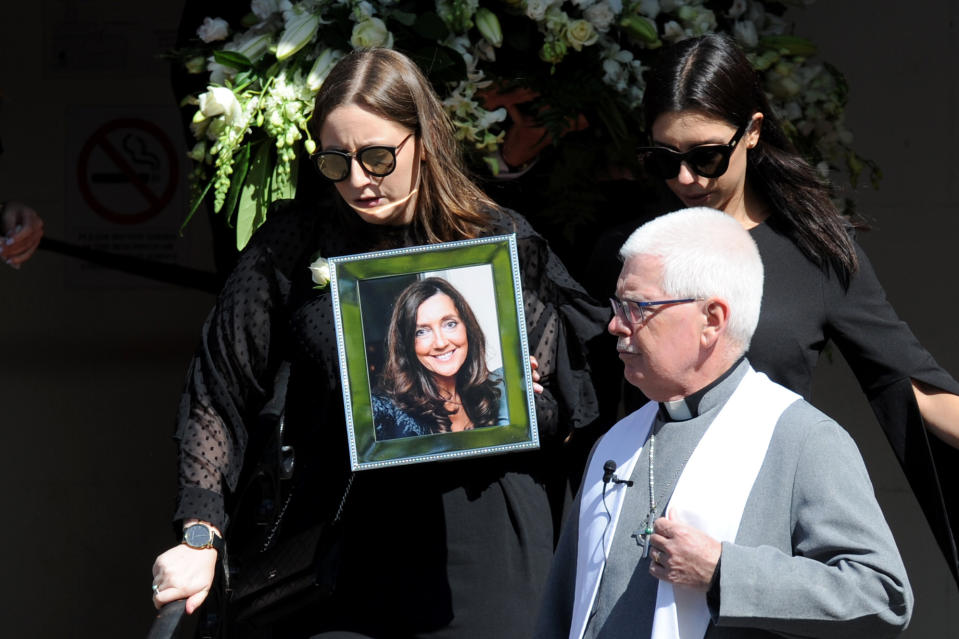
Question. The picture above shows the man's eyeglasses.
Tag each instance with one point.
(377, 160)
(634, 312)
(707, 160)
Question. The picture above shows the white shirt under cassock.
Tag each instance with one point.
(812, 554)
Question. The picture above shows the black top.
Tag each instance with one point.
(449, 549)
(803, 308)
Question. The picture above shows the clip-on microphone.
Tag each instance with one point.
(609, 470)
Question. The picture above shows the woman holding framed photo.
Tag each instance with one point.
(449, 549)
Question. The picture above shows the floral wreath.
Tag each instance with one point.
(515, 76)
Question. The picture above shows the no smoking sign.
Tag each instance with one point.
(127, 171)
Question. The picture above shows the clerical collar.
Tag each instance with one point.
(680, 410)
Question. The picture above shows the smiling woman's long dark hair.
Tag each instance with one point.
(711, 74)
(412, 387)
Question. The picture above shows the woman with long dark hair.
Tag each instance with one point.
(436, 379)
(451, 549)
(716, 142)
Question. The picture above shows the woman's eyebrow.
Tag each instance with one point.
(691, 146)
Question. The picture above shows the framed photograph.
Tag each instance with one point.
(433, 352)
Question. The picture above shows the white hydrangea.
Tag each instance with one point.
(213, 29)
(263, 9)
(536, 9)
(673, 31)
(648, 8)
(601, 15)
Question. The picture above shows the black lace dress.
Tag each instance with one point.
(448, 549)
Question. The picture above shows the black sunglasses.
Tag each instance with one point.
(707, 160)
(377, 160)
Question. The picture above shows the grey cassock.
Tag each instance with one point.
(813, 555)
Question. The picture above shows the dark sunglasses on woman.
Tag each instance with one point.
(377, 160)
(706, 160)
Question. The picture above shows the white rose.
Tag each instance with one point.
(601, 16)
(580, 33)
(213, 29)
(745, 33)
(371, 33)
(220, 101)
(320, 272)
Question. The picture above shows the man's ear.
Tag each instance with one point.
(716, 314)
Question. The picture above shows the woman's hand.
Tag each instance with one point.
(939, 410)
(20, 232)
(534, 365)
(183, 573)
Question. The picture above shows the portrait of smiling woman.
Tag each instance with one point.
(436, 378)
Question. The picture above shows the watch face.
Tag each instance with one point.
(197, 536)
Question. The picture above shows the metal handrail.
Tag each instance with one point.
(169, 620)
(159, 271)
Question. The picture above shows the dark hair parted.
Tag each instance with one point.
(711, 74)
(412, 387)
(449, 205)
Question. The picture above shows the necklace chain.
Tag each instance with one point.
(652, 477)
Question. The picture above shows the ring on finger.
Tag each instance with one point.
(156, 590)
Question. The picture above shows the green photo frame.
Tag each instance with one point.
(456, 346)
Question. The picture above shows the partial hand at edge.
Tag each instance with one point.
(184, 573)
(534, 365)
(21, 230)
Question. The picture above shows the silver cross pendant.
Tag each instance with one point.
(642, 539)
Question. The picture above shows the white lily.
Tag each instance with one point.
(301, 26)
(321, 68)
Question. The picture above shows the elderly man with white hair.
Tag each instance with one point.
(727, 506)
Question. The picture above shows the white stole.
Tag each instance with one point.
(710, 494)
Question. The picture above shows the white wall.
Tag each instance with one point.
(900, 61)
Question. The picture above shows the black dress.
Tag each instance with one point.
(449, 549)
(803, 308)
